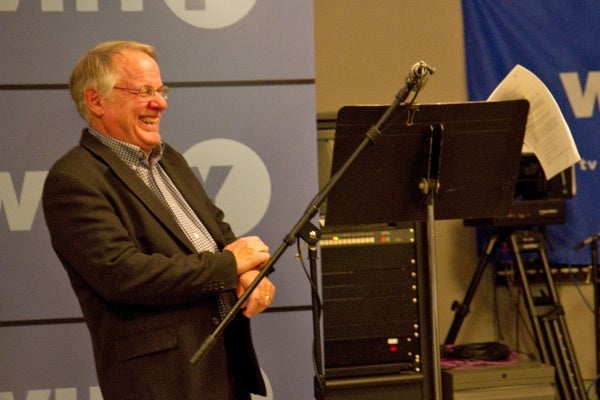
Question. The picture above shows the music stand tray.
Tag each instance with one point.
(479, 162)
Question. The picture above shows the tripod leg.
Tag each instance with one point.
(565, 351)
(547, 318)
(462, 309)
(596, 281)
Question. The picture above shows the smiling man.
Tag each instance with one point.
(132, 112)
(149, 256)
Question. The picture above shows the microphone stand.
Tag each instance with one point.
(414, 81)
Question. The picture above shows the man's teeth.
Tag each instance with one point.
(149, 120)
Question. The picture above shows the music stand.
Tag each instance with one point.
(432, 162)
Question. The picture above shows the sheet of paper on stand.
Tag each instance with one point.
(547, 134)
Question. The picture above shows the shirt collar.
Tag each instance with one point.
(129, 153)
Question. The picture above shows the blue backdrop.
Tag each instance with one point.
(556, 40)
(242, 78)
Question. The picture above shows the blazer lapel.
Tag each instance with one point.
(136, 185)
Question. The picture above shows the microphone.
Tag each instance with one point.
(587, 241)
(418, 76)
(415, 80)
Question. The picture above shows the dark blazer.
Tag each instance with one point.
(147, 297)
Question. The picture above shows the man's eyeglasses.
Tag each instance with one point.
(147, 92)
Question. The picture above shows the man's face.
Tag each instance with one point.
(127, 117)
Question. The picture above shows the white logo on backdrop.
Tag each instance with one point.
(270, 395)
(233, 174)
(211, 14)
(207, 14)
(71, 393)
(237, 176)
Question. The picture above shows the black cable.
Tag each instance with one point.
(485, 351)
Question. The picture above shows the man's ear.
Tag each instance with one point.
(94, 101)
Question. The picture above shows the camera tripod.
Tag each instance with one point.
(545, 311)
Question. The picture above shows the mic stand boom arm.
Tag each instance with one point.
(414, 81)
